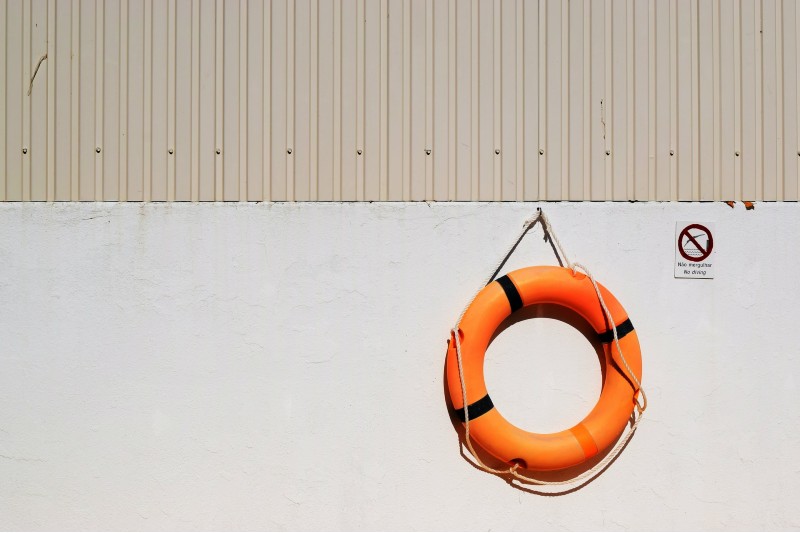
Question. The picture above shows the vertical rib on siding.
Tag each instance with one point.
(111, 101)
(301, 154)
(143, 100)
(159, 91)
(253, 183)
(4, 37)
(530, 112)
(62, 70)
(38, 103)
(373, 133)
(791, 98)
(183, 27)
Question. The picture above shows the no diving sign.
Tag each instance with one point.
(694, 250)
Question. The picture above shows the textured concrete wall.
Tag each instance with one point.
(280, 366)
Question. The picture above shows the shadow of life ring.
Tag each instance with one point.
(604, 423)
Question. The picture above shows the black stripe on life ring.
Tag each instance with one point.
(622, 329)
(479, 408)
(511, 292)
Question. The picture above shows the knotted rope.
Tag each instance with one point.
(641, 405)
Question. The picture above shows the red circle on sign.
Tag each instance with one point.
(704, 252)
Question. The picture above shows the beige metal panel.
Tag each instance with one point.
(771, 140)
(88, 101)
(600, 128)
(664, 151)
(641, 149)
(135, 100)
(62, 128)
(418, 44)
(791, 152)
(474, 100)
(4, 38)
(485, 97)
(279, 114)
(325, 100)
(37, 100)
(530, 112)
(576, 101)
(199, 100)
(373, 89)
(727, 109)
(219, 99)
(673, 107)
(302, 101)
(440, 147)
(243, 110)
(790, 177)
(395, 102)
(749, 99)
(159, 91)
(349, 102)
(99, 96)
(686, 82)
(110, 142)
(429, 109)
(451, 100)
(255, 101)
(183, 30)
(337, 100)
(206, 124)
(712, 190)
(314, 102)
(194, 95)
(231, 100)
(124, 33)
(497, 104)
(371, 126)
(171, 107)
(14, 92)
(27, 28)
(631, 100)
(360, 24)
(620, 98)
(508, 93)
(267, 99)
(705, 103)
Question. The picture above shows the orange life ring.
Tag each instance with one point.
(604, 423)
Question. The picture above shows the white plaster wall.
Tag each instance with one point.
(280, 366)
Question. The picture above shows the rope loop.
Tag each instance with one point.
(640, 398)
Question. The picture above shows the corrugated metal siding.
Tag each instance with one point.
(147, 100)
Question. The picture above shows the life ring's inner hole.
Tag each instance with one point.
(544, 368)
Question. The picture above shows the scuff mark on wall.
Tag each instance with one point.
(39, 64)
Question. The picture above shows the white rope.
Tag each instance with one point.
(640, 406)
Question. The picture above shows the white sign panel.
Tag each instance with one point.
(694, 250)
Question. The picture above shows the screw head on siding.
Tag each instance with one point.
(497, 151)
(97, 149)
(798, 153)
(359, 151)
(219, 151)
(736, 153)
(171, 151)
(289, 151)
(427, 151)
(24, 150)
(541, 151)
(672, 152)
(608, 152)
